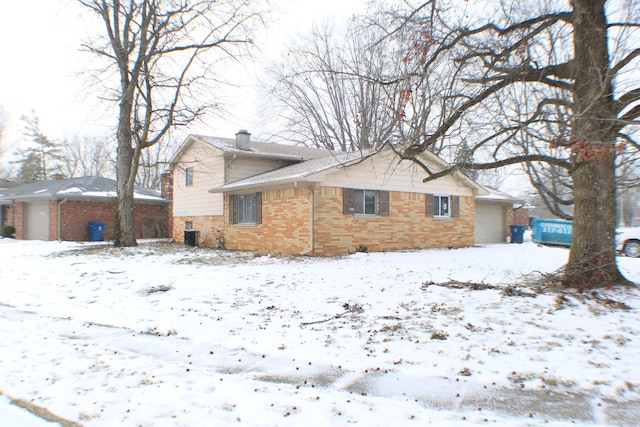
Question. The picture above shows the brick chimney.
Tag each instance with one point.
(57, 176)
(166, 185)
(243, 139)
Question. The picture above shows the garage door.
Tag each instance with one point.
(489, 226)
(37, 221)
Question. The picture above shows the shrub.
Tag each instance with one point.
(7, 231)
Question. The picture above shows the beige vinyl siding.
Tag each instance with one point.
(243, 167)
(208, 172)
(383, 172)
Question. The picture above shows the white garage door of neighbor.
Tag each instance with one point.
(37, 223)
(489, 225)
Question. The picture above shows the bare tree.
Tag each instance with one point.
(327, 88)
(154, 161)
(162, 52)
(88, 156)
(555, 56)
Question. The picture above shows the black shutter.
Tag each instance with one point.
(233, 199)
(429, 205)
(259, 207)
(348, 195)
(455, 206)
(383, 202)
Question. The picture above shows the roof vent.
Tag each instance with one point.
(243, 139)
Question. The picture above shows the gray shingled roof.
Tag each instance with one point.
(86, 187)
(8, 184)
(257, 149)
(298, 171)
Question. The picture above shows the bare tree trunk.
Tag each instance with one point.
(593, 259)
(158, 49)
(125, 165)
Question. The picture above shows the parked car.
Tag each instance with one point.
(628, 241)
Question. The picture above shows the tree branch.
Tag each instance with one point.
(500, 163)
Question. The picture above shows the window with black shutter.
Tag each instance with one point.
(245, 208)
(442, 206)
(365, 202)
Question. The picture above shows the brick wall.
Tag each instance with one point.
(209, 228)
(16, 218)
(166, 191)
(406, 227)
(53, 220)
(286, 223)
(521, 216)
(149, 219)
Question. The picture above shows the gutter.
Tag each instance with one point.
(59, 215)
(312, 237)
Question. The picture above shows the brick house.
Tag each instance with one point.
(61, 209)
(4, 210)
(246, 195)
(495, 213)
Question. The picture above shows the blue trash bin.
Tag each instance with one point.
(96, 230)
(517, 233)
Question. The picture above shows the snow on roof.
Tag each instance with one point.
(498, 196)
(84, 187)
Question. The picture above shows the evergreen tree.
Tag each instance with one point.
(40, 157)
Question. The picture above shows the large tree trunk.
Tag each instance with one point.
(126, 167)
(593, 258)
(125, 224)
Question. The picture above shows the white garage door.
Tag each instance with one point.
(37, 221)
(489, 226)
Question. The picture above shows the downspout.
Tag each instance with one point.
(312, 237)
(59, 216)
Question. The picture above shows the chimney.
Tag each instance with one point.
(57, 176)
(166, 186)
(243, 139)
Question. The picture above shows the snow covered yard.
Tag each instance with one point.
(165, 335)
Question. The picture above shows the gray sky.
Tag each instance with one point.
(42, 66)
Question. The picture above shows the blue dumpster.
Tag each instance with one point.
(517, 233)
(96, 230)
(551, 231)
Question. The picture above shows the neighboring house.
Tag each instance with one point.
(494, 214)
(4, 210)
(61, 209)
(258, 196)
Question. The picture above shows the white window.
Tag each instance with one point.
(246, 209)
(365, 202)
(442, 206)
(188, 176)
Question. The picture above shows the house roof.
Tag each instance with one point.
(305, 171)
(8, 184)
(93, 187)
(295, 172)
(257, 149)
(496, 196)
(306, 162)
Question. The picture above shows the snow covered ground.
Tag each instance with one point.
(164, 335)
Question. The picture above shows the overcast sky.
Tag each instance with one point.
(42, 66)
